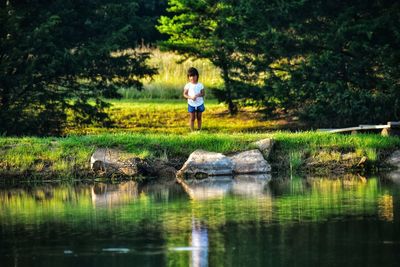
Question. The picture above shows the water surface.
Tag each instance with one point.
(246, 221)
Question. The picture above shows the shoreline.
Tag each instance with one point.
(68, 158)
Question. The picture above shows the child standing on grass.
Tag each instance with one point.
(194, 93)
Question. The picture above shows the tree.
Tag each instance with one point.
(149, 12)
(208, 29)
(60, 57)
(348, 73)
(334, 63)
(331, 62)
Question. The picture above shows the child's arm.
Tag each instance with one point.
(186, 94)
(202, 93)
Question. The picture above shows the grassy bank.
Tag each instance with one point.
(69, 156)
(171, 116)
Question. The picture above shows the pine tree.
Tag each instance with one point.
(57, 56)
(208, 29)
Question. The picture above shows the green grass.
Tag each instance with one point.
(159, 129)
(171, 116)
(70, 155)
(330, 151)
(153, 123)
(172, 76)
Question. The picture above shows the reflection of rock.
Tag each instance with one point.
(112, 162)
(113, 194)
(163, 190)
(394, 160)
(204, 163)
(393, 176)
(250, 185)
(207, 188)
(217, 187)
(251, 161)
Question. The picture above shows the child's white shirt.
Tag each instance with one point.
(194, 89)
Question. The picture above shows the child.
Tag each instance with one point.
(194, 93)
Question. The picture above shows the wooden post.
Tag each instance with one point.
(393, 129)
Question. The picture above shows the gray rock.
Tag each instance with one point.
(112, 162)
(251, 161)
(201, 164)
(265, 146)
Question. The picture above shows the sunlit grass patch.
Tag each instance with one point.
(172, 76)
(171, 116)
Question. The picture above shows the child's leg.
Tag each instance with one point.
(191, 120)
(198, 113)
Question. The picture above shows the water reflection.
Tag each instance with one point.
(385, 207)
(218, 187)
(108, 195)
(209, 188)
(200, 244)
(393, 176)
(251, 185)
(242, 221)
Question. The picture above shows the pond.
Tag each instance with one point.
(248, 221)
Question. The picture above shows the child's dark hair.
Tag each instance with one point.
(192, 72)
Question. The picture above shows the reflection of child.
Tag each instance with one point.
(199, 244)
(194, 92)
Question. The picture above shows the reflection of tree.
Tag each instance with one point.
(385, 207)
(316, 199)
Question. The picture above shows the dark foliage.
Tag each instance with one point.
(334, 63)
(57, 56)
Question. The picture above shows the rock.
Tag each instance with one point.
(202, 164)
(162, 170)
(265, 146)
(113, 162)
(251, 161)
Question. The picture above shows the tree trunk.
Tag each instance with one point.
(232, 107)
